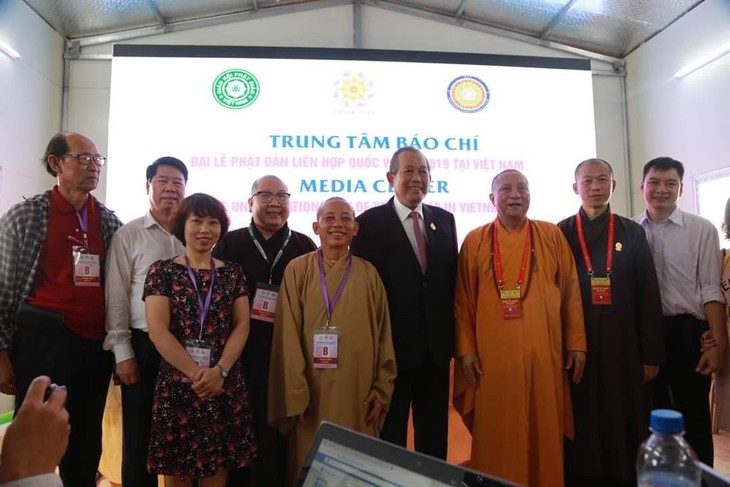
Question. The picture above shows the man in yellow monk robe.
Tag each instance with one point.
(519, 339)
(332, 352)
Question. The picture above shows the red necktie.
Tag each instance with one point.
(420, 240)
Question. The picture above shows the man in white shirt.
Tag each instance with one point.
(134, 247)
(686, 255)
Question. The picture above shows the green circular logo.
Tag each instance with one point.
(235, 89)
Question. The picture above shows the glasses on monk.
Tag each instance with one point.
(268, 196)
(86, 159)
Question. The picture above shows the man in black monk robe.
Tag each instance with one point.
(264, 249)
(623, 322)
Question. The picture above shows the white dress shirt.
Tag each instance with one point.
(404, 213)
(134, 247)
(686, 251)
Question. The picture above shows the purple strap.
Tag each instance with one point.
(202, 307)
(83, 219)
(330, 306)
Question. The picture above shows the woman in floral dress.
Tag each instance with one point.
(198, 316)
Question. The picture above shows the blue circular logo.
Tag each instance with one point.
(468, 94)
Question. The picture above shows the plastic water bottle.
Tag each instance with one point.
(665, 459)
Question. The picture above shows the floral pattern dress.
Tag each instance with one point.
(190, 437)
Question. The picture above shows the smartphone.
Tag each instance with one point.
(50, 389)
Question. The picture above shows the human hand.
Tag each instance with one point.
(710, 361)
(128, 371)
(471, 368)
(7, 377)
(649, 372)
(577, 361)
(38, 436)
(208, 383)
(374, 408)
(707, 341)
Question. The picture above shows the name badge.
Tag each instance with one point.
(511, 304)
(87, 267)
(199, 351)
(326, 348)
(264, 302)
(601, 290)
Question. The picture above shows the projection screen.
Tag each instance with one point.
(328, 120)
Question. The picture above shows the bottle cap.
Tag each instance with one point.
(667, 422)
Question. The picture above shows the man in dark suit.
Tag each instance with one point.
(413, 247)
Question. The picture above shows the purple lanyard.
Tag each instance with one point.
(202, 307)
(83, 219)
(330, 306)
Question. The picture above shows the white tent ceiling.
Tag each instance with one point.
(596, 28)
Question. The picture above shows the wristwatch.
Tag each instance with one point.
(224, 372)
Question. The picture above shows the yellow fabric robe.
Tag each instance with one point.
(520, 408)
(110, 463)
(366, 357)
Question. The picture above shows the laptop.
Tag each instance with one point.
(713, 478)
(340, 457)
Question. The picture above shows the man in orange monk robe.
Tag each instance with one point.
(519, 337)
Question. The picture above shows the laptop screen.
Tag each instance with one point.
(341, 457)
(713, 478)
(334, 464)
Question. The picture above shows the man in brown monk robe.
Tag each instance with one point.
(332, 354)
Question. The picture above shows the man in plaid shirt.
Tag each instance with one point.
(52, 249)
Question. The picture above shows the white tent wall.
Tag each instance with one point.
(686, 118)
(30, 100)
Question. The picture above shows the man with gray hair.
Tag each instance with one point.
(413, 247)
(52, 252)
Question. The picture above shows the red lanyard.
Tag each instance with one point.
(584, 247)
(498, 257)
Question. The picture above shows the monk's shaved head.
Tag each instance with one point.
(590, 162)
(333, 200)
(498, 177)
(268, 178)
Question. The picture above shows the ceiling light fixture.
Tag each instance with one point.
(9, 50)
(692, 67)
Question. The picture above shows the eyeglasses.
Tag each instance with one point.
(268, 196)
(86, 159)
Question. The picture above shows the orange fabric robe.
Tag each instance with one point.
(520, 409)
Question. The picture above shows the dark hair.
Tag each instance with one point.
(594, 160)
(167, 161)
(726, 221)
(664, 164)
(199, 204)
(394, 159)
(57, 146)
